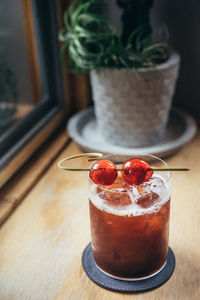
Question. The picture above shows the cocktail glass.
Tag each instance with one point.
(130, 224)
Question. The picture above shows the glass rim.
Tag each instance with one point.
(105, 187)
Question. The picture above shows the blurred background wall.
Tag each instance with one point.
(183, 21)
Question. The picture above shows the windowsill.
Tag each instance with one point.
(22, 110)
(24, 180)
(44, 238)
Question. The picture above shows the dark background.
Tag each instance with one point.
(182, 19)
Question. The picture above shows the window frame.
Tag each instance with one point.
(52, 108)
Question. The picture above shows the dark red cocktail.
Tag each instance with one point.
(130, 226)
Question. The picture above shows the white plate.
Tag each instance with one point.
(180, 130)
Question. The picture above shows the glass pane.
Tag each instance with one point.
(20, 82)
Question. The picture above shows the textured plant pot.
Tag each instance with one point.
(132, 108)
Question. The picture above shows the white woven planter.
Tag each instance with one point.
(132, 108)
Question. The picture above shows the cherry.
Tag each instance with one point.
(135, 171)
(103, 172)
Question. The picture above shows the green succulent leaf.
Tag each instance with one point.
(91, 42)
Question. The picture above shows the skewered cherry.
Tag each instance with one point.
(103, 172)
(135, 171)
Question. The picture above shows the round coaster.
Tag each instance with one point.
(122, 286)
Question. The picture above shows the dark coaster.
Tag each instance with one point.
(122, 286)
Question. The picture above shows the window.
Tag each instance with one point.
(33, 100)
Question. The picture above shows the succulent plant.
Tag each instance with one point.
(93, 43)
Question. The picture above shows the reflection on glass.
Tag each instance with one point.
(20, 84)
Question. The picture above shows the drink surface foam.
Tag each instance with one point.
(125, 200)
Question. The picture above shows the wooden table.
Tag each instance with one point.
(41, 243)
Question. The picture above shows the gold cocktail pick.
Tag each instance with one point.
(97, 156)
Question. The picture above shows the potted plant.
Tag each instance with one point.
(133, 75)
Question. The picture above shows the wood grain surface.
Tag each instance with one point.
(19, 186)
(42, 241)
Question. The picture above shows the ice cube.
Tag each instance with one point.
(156, 185)
(148, 200)
(116, 197)
(133, 193)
